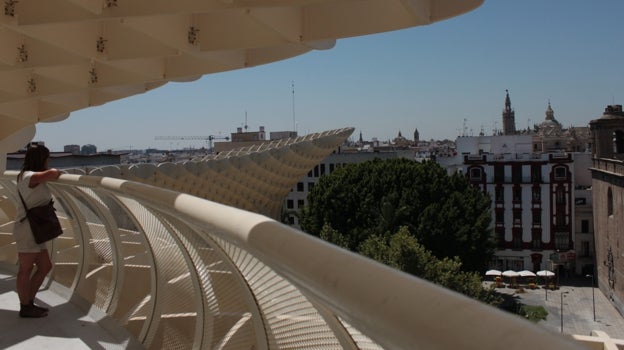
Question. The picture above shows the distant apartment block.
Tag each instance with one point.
(541, 210)
(73, 149)
(540, 185)
(88, 149)
(243, 138)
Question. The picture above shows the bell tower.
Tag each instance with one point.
(509, 117)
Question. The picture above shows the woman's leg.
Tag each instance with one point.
(23, 285)
(44, 265)
(28, 283)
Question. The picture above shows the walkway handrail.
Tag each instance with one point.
(176, 269)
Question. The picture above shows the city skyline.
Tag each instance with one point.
(445, 79)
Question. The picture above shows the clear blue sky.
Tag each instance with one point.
(568, 52)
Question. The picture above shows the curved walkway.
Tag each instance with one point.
(66, 327)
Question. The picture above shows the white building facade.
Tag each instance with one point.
(536, 198)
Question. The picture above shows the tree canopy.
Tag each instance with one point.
(442, 212)
(402, 251)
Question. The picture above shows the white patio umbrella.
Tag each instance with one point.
(512, 276)
(526, 273)
(545, 273)
(493, 273)
(528, 277)
(510, 273)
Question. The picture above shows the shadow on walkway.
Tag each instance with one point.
(66, 327)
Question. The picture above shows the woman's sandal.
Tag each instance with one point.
(30, 311)
(32, 303)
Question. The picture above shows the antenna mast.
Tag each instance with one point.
(293, 105)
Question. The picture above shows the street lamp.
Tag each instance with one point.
(546, 286)
(593, 297)
(562, 293)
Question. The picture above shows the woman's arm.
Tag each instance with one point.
(43, 176)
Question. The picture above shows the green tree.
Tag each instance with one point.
(443, 212)
(402, 251)
(330, 235)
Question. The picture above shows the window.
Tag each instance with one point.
(500, 237)
(561, 195)
(516, 174)
(517, 217)
(300, 203)
(560, 220)
(517, 194)
(561, 240)
(517, 239)
(537, 217)
(331, 167)
(299, 186)
(536, 194)
(475, 174)
(536, 173)
(499, 173)
(316, 171)
(289, 204)
(500, 194)
(322, 169)
(585, 226)
(310, 186)
(618, 141)
(609, 202)
(536, 239)
(560, 172)
(584, 249)
(500, 216)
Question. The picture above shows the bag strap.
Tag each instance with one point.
(22, 198)
(24, 204)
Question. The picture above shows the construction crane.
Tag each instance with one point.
(208, 139)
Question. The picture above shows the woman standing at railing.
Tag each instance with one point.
(31, 184)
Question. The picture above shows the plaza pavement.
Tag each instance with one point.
(578, 308)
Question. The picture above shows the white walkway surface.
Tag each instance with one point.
(66, 327)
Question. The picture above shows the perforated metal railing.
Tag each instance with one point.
(180, 272)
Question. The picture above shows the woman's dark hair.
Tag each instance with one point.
(35, 159)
